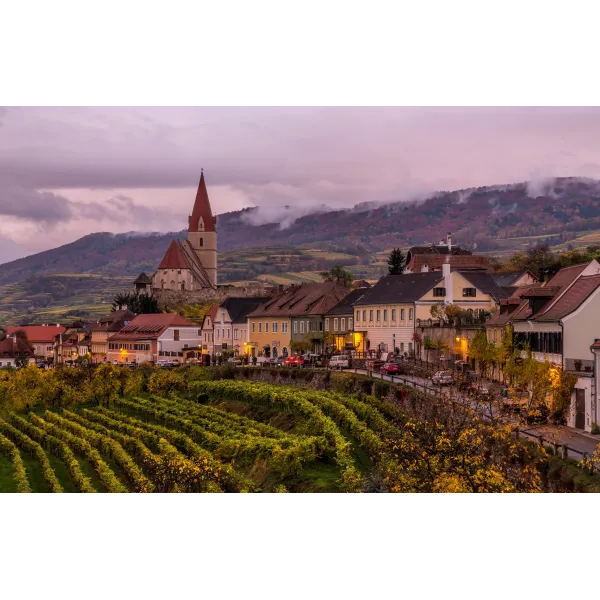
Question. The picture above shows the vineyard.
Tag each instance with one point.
(211, 430)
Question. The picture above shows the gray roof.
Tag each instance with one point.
(393, 289)
(508, 279)
(239, 308)
(486, 283)
(345, 306)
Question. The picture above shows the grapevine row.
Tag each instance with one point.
(20, 474)
(32, 448)
(110, 447)
(58, 448)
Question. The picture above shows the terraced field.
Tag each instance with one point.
(241, 437)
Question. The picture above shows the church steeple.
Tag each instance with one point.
(201, 219)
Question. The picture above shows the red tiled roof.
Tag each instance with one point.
(202, 209)
(174, 257)
(38, 333)
(308, 299)
(212, 313)
(418, 261)
(151, 326)
(571, 300)
(567, 275)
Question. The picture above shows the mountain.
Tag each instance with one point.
(489, 216)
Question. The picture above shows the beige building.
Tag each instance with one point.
(41, 337)
(192, 264)
(104, 328)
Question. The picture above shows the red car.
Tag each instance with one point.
(390, 369)
(293, 361)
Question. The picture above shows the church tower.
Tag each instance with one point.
(202, 232)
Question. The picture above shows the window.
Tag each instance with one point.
(393, 315)
(401, 346)
(295, 326)
(320, 325)
(326, 324)
(176, 335)
(410, 346)
(183, 286)
(301, 326)
(284, 326)
(259, 327)
(342, 324)
(378, 315)
(410, 314)
(274, 326)
(222, 317)
(335, 324)
(199, 333)
(495, 335)
(402, 314)
(253, 327)
(201, 242)
(217, 333)
(229, 333)
(235, 334)
(364, 315)
(358, 315)
(266, 326)
(439, 292)
(370, 315)
(469, 292)
(385, 313)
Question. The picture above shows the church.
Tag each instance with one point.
(191, 265)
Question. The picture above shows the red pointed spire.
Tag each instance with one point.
(202, 209)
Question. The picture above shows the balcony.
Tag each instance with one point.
(580, 367)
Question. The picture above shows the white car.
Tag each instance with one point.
(339, 362)
(442, 378)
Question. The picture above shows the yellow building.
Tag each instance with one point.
(268, 335)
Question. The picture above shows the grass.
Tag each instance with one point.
(7, 481)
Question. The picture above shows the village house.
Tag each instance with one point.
(208, 332)
(105, 327)
(11, 351)
(154, 337)
(558, 321)
(423, 259)
(385, 314)
(73, 343)
(295, 317)
(41, 337)
(230, 324)
(339, 324)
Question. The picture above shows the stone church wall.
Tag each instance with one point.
(174, 298)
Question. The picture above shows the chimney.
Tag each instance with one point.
(425, 269)
(446, 268)
(447, 280)
(449, 241)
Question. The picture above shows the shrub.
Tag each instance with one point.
(162, 383)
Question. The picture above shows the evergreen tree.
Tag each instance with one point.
(396, 262)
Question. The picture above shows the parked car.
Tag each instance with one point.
(339, 361)
(164, 363)
(478, 388)
(234, 360)
(390, 368)
(442, 378)
(294, 361)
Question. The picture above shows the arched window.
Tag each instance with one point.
(183, 286)
(284, 351)
(201, 242)
(274, 351)
(162, 284)
(173, 286)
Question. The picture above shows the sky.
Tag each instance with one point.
(68, 172)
